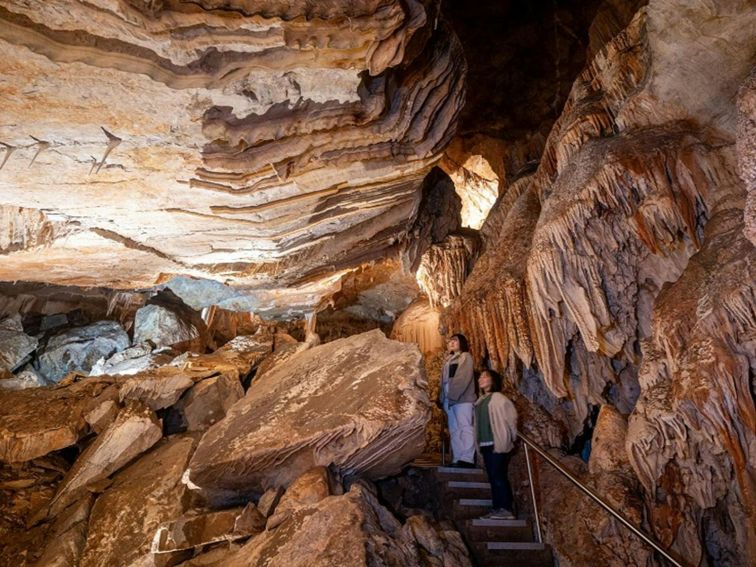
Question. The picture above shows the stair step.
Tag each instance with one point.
(467, 484)
(475, 502)
(520, 557)
(461, 471)
(515, 546)
(485, 522)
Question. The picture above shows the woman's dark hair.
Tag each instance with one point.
(495, 378)
(464, 346)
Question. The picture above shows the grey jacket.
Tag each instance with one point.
(459, 388)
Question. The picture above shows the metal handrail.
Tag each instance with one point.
(596, 498)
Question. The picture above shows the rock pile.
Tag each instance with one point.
(107, 474)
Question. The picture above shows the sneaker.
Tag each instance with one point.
(501, 514)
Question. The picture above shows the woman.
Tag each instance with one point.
(496, 431)
(457, 396)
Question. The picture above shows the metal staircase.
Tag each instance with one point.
(466, 496)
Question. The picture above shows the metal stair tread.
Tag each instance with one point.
(475, 502)
(488, 523)
(467, 484)
(515, 546)
(461, 470)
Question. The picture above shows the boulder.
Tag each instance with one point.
(133, 360)
(309, 488)
(67, 536)
(135, 430)
(26, 378)
(199, 528)
(15, 345)
(352, 529)
(80, 348)
(208, 401)
(159, 390)
(162, 326)
(357, 403)
(143, 496)
(27, 433)
(268, 501)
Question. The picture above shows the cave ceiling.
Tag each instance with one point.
(266, 146)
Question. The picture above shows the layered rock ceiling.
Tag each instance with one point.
(194, 194)
(267, 146)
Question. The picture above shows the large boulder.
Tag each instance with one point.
(359, 404)
(80, 348)
(143, 496)
(135, 430)
(163, 326)
(37, 421)
(15, 345)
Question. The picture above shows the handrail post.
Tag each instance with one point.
(533, 496)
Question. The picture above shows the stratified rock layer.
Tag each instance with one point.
(244, 143)
(358, 404)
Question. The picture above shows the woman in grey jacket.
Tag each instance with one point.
(457, 397)
(495, 434)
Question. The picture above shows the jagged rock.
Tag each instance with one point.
(143, 496)
(67, 536)
(209, 400)
(351, 529)
(358, 404)
(101, 416)
(158, 390)
(80, 348)
(135, 430)
(596, 539)
(162, 326)
(27, 377)
(133, 360)
(15, 345)
(269, 500)
(441, 546)
(199, 528)
(309, 488)
(27, 433)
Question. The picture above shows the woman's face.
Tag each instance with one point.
(484, 382)
(453, 344)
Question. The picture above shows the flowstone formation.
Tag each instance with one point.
(265, 146)
(619, 273)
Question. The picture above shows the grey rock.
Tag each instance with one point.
(80, 348)
(26, 378)
(162, 326)
(133, 360)
(15, 345)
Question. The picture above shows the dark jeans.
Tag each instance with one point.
(496, 467)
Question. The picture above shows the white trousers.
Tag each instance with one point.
(460, 417)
